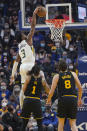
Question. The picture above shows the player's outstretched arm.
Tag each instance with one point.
(33, 23)
(14, 69)
(53, 87)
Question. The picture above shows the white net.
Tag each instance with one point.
(56, 26)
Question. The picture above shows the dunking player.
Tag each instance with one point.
(25, 54)
(32, 90)
(67, 95)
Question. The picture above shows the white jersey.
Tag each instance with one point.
(26, 53)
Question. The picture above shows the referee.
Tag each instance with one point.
(32, 90)
(66, 82)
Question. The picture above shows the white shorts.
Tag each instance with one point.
(24, 68)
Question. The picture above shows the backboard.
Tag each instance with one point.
(53, 11)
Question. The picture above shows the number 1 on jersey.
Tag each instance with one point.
(34, 88)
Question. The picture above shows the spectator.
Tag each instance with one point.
(79, 46)
(72, 54)
(3, 109)
(32, 124)
(49, 43)
(50, 120)
(16, 92)
(42, 44)
(2, 74)
(11, 119)
(4, 92)
(59, 49)
(13, 101)
(46, 68)
(66, 58)
(71, 67)
(5, 62)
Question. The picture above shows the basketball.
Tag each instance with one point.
(41, 12)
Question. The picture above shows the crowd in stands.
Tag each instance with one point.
(47, 53)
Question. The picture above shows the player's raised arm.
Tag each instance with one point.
(33, 23)
(53, 87)
(14, 69)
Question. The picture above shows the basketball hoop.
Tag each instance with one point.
(56, 26)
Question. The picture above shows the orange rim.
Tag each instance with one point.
(56, 22)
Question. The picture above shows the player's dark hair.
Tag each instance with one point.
(18, 37)
(35, 70)
(62, 65)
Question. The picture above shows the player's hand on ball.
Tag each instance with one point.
(40, 11)
(37, 9)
